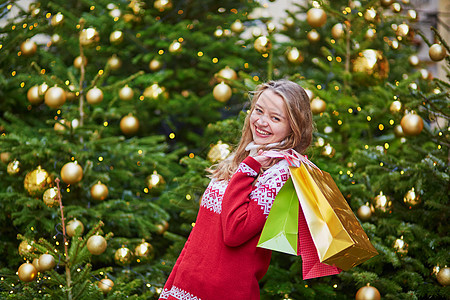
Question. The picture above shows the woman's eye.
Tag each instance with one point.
(258, 110)
(276, 119)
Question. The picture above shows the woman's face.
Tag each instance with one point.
(269, 120)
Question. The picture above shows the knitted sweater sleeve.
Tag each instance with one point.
(242, 215)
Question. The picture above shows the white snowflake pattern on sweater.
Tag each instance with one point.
(177, 293)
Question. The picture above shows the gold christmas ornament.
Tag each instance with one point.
(163, 5)
(94, 96)
(226, 74)
(123, 256)
(71, 172)
(5, 157)
(89, 37)
(56, 38)
(289, 22)
(316, 17)
(412, 124)
(414, 60)
(237, 26)
(400, 246)
(13, 167)
(28, 48)
(55, 97)
(143, 251)
(129, 125)
(371, 64)
(175, 47)
(50, 197)
(78, 61)
(36, 264)
(256, 32)
(337, 31)
(115, 13)
(364, 212)
(412, 15)
(218, 152)
(57, 19)
(59, 125)
(318, 106)
(155, 65)
(116, 37)
(382, 203)
(398, 131)
(43, 88)
(368, 293)
(27, 272)
(73, 226)
(411, 198)
(46, 262)
(222, 92)
(386, 3)
(126, 93)
(313, 36)
(114, 62)
(218, 32)
(328, 151)
(163, 227)
(396, 7)
(155, 181)
(371, 34)
(155, 91)
(437, 52)
(37, 181)
(105, 285)
(443, 276)
(262, 44)
(294, 56)
(99, 191)
(370, 14)
(395, 107)
(25, 248)
(425, 75)
(33, 95)
(402, 30)
(96, 244)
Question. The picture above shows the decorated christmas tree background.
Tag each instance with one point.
(112, 110)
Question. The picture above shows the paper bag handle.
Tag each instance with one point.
(293, 158)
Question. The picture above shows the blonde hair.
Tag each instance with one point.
(300, 121)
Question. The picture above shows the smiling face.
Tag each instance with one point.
(269, 119)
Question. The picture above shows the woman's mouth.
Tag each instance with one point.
(262, 132)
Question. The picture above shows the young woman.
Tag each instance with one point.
(220, 259)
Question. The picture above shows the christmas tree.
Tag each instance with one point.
(128, 102)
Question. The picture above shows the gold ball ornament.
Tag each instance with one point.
(400, 246)
(402, 30)
(294, 56)
(56, 38)
(144, 250)
(73, 226)
(25, 248)
(237, 26)
(36, 264)
(33, 95)
(43, 88)
(218, 152)
(222, 92)
(59, 125)
(364, 212)
(114, 63)
(155, 182)
(318, 106)
(370, 14)
(116, 37)
(28, 48)
(27, 272)
(37, 181)
(313, 36)
(396, 7)
(99, 191)
(163, 5)
(437, 52)
(13, 167)
(289, 22)
(46, 262)
(129, 125)
(78, 61)
(425, 74)
(126, 93)
(386, 3)
(412, 15)
(412, 124)
(50, 197)
(371, 66)
(398, 131)
(5, 157)
(371, 34)
(163, 227)
(328, 151)
(175, 47)
(411, 198)
(382, 203)
(55, 97)
(414, 60)
(262, 44)
(443, 276)
(337, 31)
(271, 27)
(105, 285)
(94, 96)
(395, 107)
(89, 37)
(123, 256)
(57, 19)
(226, 74)
(367, 293)
(155, 91)
(96, 244)
(316, 17)
(71, 172)
(155, 65)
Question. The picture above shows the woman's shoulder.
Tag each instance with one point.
(280, 169)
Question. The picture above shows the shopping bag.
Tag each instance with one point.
(281, 227)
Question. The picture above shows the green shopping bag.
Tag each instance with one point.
(280, 233)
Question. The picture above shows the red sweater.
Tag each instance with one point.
(220, 259)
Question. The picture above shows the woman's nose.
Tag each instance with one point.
(262, 120)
